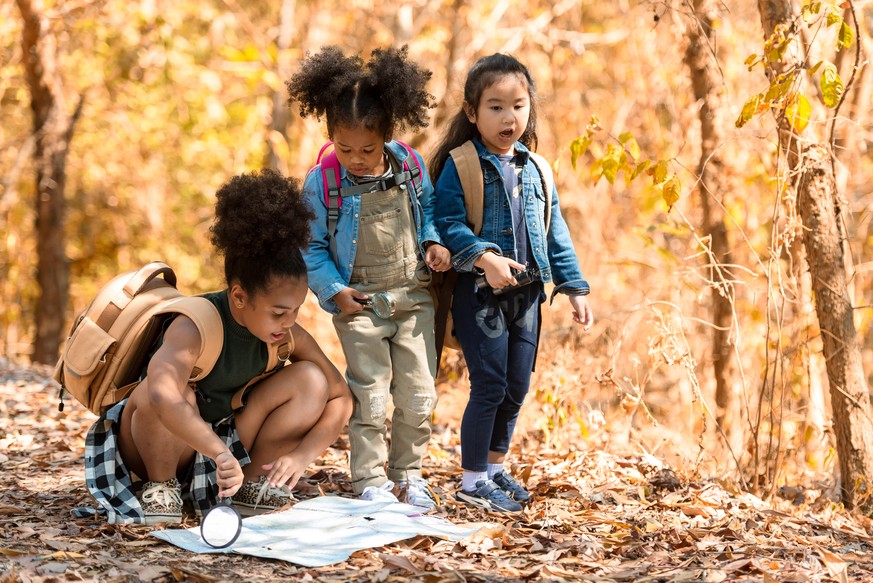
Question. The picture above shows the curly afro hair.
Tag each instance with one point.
(384, 95)
(261, 226)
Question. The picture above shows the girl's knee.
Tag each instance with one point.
(309, 378)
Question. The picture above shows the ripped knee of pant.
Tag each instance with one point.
(373, 406)
(418, 402)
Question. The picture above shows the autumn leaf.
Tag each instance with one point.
(798, 112)
(831, 85)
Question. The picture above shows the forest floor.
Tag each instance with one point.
(597, 515)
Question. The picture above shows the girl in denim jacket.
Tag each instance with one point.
(497, 317)
(384, 241)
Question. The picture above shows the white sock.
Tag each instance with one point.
(469, 479)
(493, 469)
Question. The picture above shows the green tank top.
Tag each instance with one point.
(243, 357)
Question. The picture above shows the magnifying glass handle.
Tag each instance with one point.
(364, 302)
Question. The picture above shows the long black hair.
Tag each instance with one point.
(484, 73)
(261, 226)
(384, 95)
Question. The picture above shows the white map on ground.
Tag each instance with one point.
(324, 530)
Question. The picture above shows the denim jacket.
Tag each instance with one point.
(552, 252)
(329, 265)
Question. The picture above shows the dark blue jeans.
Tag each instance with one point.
(498, 334)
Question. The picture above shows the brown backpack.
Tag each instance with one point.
(442, 286)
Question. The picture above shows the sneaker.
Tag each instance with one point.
(512, 488)
(162, 502)
(259, 497)
(383, 493)
(418, 493)
(488, 496)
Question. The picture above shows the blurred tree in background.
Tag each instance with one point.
(707, 350)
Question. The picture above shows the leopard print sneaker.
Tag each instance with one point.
(161, 502)
(259, 498)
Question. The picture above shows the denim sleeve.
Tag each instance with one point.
(324, 279)
(566, 273)
(427, 199)
(450, 215)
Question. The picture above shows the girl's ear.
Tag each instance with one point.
(237, 296)
(470, 111)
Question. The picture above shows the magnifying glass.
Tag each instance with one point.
(220, 527)
(382, 304)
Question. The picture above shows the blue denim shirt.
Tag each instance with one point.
(329, 265)
(552, 252)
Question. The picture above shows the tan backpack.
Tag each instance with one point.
(111, 340)
(442, 286)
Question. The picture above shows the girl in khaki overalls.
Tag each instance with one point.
(382, 239)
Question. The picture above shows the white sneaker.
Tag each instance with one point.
(418, 493)
(380, 493)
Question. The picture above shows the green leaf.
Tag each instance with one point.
(846, 36)
(815, 68)
(671, 191)
(798, 112)
(832, 18)
(749, 110)
(831, 85)
(578, 147)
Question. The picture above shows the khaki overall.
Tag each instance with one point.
(394, 356)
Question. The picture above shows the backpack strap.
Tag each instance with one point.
(109, 305)
(466, 159)
(414, 173)
(334, 191)
(278, 355)
(548, 185)
(205, 316)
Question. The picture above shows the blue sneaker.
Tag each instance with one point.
(512, 488)
(488, 496)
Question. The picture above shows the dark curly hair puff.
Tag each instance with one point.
(261, 226)
(384, 95)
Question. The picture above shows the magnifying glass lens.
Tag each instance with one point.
(220, 526)
(383, 304)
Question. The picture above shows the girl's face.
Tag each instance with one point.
(503, 112)
(269, 314)
(359, 150)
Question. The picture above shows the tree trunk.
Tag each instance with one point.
(53, 131)
(714, 183)
(817, 203)
(850, 397)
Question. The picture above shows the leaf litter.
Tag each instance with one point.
(597, 516)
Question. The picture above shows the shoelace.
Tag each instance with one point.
(266, 489)
(162, 494)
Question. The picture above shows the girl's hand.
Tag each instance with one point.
(498, 269)
(438, 258)
(582, 313)
(287, 469)
(345, 300)
(229, 473)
